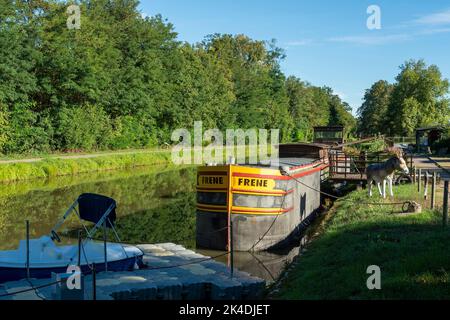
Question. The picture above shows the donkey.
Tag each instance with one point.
(384, 173)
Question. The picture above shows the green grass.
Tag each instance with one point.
(413, 252)
(48, 168)
(68, 164)
(56, 154)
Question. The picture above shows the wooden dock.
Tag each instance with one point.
(196, 278)
(348, 168)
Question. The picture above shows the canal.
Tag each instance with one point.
(155, 205)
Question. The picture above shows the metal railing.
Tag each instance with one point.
(353, 167)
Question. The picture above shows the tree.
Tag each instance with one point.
(259, 85)
(419, 98)
(17, 56)
(126, 81)
(314, 106)
(373, 112)
(304, 108)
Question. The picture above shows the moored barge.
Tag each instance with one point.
(264, 204)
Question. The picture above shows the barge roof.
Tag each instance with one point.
(290, 162)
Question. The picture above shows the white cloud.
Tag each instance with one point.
(341, 95)
(426, 25)
(372, 40)
(439, 18)
(434, 31)
(299, 43)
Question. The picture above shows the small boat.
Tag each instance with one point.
(39, 258)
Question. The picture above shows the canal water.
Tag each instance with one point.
(155, 205)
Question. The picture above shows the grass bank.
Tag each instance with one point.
(413, 252)
(53, 167)
(47, 166)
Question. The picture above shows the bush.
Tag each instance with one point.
(374, 146)
(128, 133)
(26, 132)
(87, 128)
(441, 145)
(3, 127)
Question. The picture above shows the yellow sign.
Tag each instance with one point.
(242, 183)
(212, 181)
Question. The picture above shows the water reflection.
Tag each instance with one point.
(265, 265)
(155, 205)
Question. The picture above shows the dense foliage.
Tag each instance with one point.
(125, 81)
(418, 98)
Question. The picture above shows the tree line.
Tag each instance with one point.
(418, 98)
(126, 81)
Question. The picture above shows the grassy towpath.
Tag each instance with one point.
(23, 168)
(413, 252)
(71, 164)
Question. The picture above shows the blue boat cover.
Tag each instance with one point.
(92, 208)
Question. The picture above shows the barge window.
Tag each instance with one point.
(212, 198)
(267, 202)
(283, 185)
(329, 134)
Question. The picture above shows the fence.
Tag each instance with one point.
(345, 166)
(402, 140)
(423, 179)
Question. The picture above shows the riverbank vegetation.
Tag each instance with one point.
(54, 167)
(411, 250)
(57, 165)
(125, 81)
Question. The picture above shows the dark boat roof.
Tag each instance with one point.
(290, 162)
(296, 162)
(305, 144)
(329, 128)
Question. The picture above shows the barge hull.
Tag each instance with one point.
(265, 207)
(259, 233)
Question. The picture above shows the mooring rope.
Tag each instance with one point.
(263, 265)
(272, 224)
(33, 288)
(89, 265)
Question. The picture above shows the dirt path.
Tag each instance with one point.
(92, 155)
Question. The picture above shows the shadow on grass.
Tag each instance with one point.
(413, 253)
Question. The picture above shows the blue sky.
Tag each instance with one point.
(327, 42)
